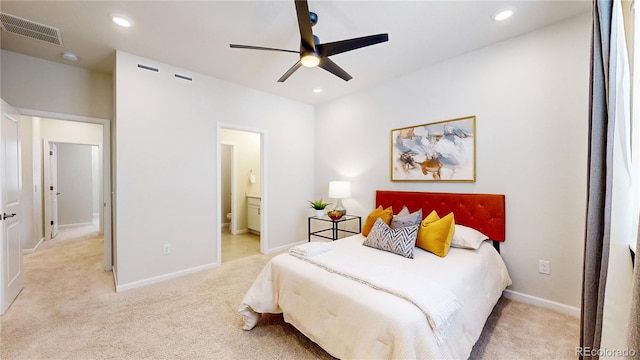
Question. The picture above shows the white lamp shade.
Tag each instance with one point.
(339, 189)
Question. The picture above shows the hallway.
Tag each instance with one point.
(71, 234)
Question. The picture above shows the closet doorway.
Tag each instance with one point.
(72, 183)
(240, 202)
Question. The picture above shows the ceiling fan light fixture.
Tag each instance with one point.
(312, 53)
(310, 60)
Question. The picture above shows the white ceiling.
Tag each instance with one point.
(195, 35)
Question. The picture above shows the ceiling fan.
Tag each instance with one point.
(312, 53)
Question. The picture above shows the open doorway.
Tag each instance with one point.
(241, 200)
(73, 191)
(45, 129)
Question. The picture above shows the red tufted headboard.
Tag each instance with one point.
(483, 212)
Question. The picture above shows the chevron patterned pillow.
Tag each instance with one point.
(398, 241)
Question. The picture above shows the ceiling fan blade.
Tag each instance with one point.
(338, 47)
(333, 68)
(304, 24)
(250, 47)
(286, 75)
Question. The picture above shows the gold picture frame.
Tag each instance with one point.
(438, 151)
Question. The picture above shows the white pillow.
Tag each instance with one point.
(467, 238)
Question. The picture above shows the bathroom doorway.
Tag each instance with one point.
(240, 193)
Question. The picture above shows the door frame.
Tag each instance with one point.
(232, 175)
(106, 195)
(47, 204)
(264, 228)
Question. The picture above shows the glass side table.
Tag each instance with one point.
(332, 232)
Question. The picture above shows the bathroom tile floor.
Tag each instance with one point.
(239, 246)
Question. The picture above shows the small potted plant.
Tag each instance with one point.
(319, 206)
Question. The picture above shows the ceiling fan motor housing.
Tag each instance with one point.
(312, 52)
(313, 17)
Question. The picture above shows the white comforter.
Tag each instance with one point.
(351, 319)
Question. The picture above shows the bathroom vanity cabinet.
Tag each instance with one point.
(253, 214)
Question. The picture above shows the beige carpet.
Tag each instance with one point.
(69, 310)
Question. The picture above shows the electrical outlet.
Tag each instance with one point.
(166, 249)
(544, 267)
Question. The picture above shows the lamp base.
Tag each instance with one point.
(340, 208)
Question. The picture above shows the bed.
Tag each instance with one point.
(360, 302)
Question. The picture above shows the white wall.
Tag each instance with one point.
(31, 189)
(530, 97)
(166, 167)
(36, 84)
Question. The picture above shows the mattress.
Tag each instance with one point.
(352, 319)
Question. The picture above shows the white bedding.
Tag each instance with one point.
(350, 319)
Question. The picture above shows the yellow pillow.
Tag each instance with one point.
(385, 215)
(433, 216)
(435, 235)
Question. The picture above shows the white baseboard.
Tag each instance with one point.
(64, 226)
(283, 247)
(157, 279)
(544, 303)
(35, 248)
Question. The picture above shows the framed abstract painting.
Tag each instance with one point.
(439, 151)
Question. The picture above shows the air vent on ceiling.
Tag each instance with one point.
(27, 28)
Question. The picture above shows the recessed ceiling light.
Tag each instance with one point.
(121, 20)
(317, 90)
(503, 14)
(70, 56)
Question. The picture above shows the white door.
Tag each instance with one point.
(10, 186)
(53, 188)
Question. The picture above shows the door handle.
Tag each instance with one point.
(5, 216)
(58, 193)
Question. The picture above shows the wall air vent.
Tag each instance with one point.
(32, 30)
(145, 67)
(183, 77)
